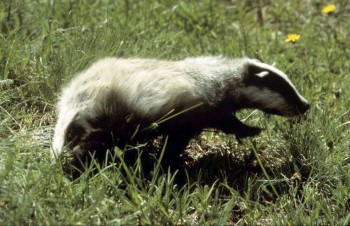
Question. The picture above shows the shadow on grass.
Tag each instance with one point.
(218, 164)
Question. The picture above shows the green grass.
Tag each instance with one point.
(294, 173)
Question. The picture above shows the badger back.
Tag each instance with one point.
(270, 90)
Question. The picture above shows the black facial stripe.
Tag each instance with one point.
(281, 86)
(273, 82)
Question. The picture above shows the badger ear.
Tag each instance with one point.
(262, 74)
(254, 71)
(255, 74)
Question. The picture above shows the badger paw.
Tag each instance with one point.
(247, 131)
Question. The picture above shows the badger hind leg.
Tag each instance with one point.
(86, 142)
(64, 121)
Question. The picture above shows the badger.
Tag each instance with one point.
(121, 101)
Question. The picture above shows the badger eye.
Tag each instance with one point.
(262, 74)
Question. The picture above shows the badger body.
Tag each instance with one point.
(116, 101)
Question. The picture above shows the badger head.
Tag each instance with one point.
(270, 90)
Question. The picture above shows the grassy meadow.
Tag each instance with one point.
(296, 172)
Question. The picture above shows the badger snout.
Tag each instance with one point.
(300, 106)
(294, 109)
(303, 107)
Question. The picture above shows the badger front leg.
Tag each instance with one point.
(175, 147)
(231, 125)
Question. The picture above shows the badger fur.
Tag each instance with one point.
(117, 101)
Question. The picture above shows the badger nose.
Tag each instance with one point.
(304, 107)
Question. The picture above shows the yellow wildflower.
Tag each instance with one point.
(292, 38)
(329, 9)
